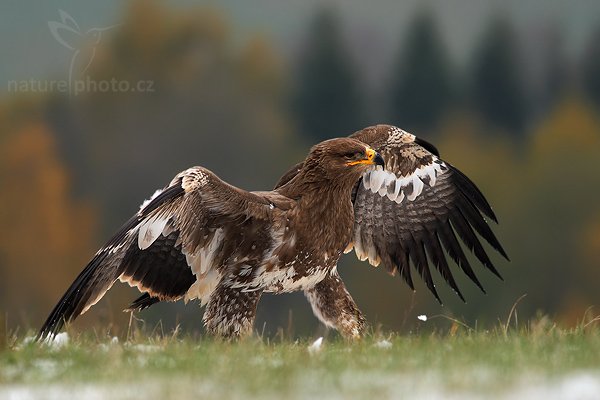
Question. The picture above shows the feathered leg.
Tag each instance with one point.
(230, 312)
(334, 306)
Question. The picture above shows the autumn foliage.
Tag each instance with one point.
(47, 235)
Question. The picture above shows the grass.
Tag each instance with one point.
(540, 360)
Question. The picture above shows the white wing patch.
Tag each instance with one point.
(201, 263)
(201, 259)
(386, 183)
(150, 229)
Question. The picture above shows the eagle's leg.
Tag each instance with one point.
(334, 306)
(230, 312)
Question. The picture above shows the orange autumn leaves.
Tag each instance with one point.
(46, 234)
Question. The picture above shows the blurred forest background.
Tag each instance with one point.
(509, 93)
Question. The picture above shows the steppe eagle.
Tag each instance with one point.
(382, 192)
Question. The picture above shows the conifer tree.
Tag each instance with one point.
(421, 83)
(327, 100)
(591, 69)
(496, 86)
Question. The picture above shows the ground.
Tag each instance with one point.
(539, 362)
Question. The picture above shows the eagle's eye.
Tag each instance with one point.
(353, 155)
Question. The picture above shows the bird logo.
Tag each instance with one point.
(68, 33)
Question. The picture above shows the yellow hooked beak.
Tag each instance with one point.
(371, 158)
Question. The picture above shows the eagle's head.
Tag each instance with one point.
(342, 159)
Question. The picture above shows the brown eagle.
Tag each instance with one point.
(381, 191)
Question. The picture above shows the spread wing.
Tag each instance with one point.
(416, 210)
(173, 247)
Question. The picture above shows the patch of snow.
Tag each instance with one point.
(27, 341)
(429, 384)
(580, 386)
(107, 346)
(584, 385)
(78, 391)
(422, 317)
(316, 346)
(383, 344)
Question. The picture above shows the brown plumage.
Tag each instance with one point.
(201, 238)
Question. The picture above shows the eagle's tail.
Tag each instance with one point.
(87, 289)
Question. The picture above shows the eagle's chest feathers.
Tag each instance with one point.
(302, 272)
(290, 265)
(296, 275)
(301, 260)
